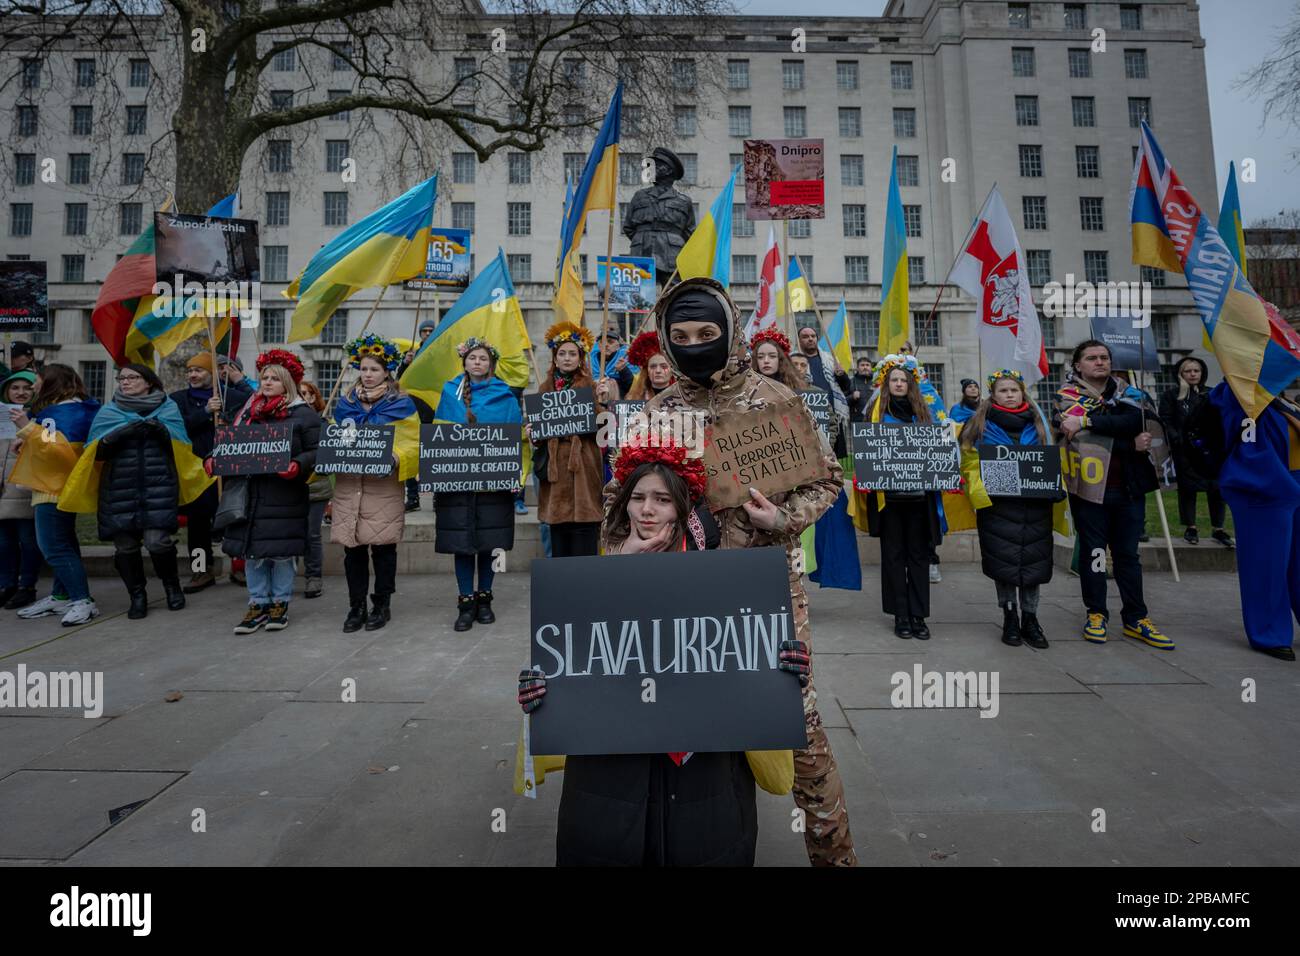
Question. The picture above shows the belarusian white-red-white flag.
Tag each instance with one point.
(991, 269)
(771, 283)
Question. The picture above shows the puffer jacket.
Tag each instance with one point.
(138, 487)
(15, 500)
(367, 510)
(1193, 431)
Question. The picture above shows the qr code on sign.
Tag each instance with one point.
(1000, 477)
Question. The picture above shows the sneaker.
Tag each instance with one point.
(1224, 539)
(44, 607)
(198, 582)
(1191, 536)
(278, 618)
(520, 507)
(1095, 629)
(935, 576)
(20, 598)
(254, 617)
(413, 505)
(312, 588)
(80, 612)
(1146, 632)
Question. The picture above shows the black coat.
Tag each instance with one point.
(138, 487)
(469, 522)
(1016, 540)
(643, 810)
(1195, 434)
(198, 420)
(277, 507)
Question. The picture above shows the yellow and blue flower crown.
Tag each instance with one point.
(908, 363)
(562, 332)
(1006, 373)
(474, 342)
(373, 346)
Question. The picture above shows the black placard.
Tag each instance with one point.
(1024, 471)
(455, 457)
(626, 419)
(261, 449)
(818, 401)
(1130, 338)
(570, 411)
(349, 449)
(710, 653)
(896, 457)
(24, 303)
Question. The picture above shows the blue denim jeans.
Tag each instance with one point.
(465, 572)
(20, 558)
(56, 535)
(269, 579)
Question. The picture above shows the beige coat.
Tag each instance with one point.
(367, 510)
(15, 500)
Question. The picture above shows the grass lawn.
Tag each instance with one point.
(1176, 529)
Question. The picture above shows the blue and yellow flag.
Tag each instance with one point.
(488, 309)
(798, 290)
(1230, 227)
(708, 251)
(895, 317)
(596, 189)
(835, 338)
(389, 245)
(52, 445)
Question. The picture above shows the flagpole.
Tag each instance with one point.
(944, 286)
(1160, 497)
(785, 286)
(415, 330)
(339, 380)
(212, 351)
(609, 274)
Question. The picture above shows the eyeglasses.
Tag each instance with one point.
(123, 379)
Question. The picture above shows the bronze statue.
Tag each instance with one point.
(660, 219)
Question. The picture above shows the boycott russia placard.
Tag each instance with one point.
(629, 672)
(773, 449)
(785, 179)
(261, 449)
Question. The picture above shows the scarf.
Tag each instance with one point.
(971, 403)
(1013, 421)
(901, 408)
(200, 395)
(140, 404)
(266, 408)
(564, 380)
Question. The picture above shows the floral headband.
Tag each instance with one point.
(472, 343)
(1006, 373)
(643, 348)
(908, 363)
(373, 346)
(562, 332)
(639, 451)
(284, 358)
(770, 334)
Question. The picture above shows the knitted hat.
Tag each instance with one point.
(201, 360)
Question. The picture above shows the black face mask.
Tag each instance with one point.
(699, 362)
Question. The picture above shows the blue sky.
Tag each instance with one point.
(1237, 34)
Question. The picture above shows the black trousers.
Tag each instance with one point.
(905, 557)
(198, 522)
(574, 539)
(356, 566)
(1115, 524)
(1187, 507)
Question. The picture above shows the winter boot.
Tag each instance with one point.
(164, 565)
(356, 617)
(131, 567)
(1032, 631)
(1010, 626)
(485, 615)
(380, 614)
(467, 606)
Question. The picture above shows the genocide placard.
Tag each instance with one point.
(1021, 471)
(479, 457)
(24, 301)
(627, 673)
(899, 457)
(569, 411)
(349, 449)
(773, 449)
(261, 449)
(785, 179)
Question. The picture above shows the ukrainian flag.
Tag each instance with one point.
(895, 319)
(801, 297)
(1230, 227)
(835, 339)
(708, 251)
(596, 190)
(480, 312)
(389, 245)
(568, 268)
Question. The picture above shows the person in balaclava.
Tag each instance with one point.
(701, 333)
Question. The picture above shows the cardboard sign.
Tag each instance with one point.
(785, 179)
(774, 450)
(447, 265)
(711, 653)
(24, 299)
(261, 449)
(631, 283)
(819, 405)
(205, 249)
(1132, 347)
(1084, 463)
(349, 449)
(479, 457)
(570, 411)
(1021, 471)
(897, 457)
(8, 430)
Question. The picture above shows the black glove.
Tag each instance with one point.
(532, 688)
(794, 658)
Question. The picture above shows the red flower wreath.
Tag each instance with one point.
(643, 348)
(770, 334)
(638, 452)
(282, 357)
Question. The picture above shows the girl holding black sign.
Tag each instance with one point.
(369, 513)
(1015, 531)
(474, 524)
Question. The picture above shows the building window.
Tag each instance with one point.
(336, 151)
(24, 169)
(737, 74)
(1087, 161)
(140, 73)
(912, 221)
(31, 74)
(741, 228)
(631, 119)
(132, 169)
(1091, 214)
(800, 229)
(850, 122)
(1080, 63)
(900, 75)
(94, 375)
(1130, 16)
(137, 120)
(691, 176)
(85, 74)
(925, 330)
(934, 372)
(865, 333)
(684, 121)
(905, 123)
(846, 75)
(520, 168)
(575, 72)
(806, 263)
(684, 75)
(1047, 387)
(1039, 264)
(1084, 110)
(855, 220)
(327, 372)
(739, 121)
(28, 121)
(277, 209)
(519, 219)
(1035, 212)
(342, 116)
(340, 55)
(852, 170)
(1026, 110)
(275, 263)
(1048, 324)
(462, 167)
(1135, 64)
(335, 330)
(281, 100)
(1022, 61)
(520, 266)
(916, 270)
(1018, 16)
(462, 215)
(272, 328)
(1031, 161)
(744, 269)
(1139, 109)
(796, 122)
(1162, 326)
(20, 219)
(629, 72)
(466, 66)
(279, 156)
(573, 163)
(336, 209)
(1153, 277)
(792, 75)
(79, 169)
(74, 268)
(909, 170)
(856, 269)
(1076, 16)
(1096, 265)
(285, 61)
(629, 169)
